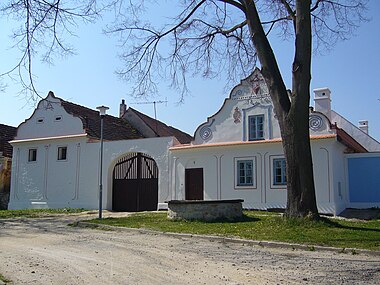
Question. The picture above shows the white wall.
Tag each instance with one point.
(48, 182)
(218, 163)
(74, 183)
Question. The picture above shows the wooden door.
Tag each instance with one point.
(194, 184)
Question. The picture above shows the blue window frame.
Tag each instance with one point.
(279, 171)
(256, 127)
(244, 173)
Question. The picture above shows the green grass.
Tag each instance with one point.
(35, 213)
(266, 226)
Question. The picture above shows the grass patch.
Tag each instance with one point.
(35, 213)
(256, 225)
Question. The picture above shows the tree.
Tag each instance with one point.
(207, 37)
(44, 24)
(212, 36)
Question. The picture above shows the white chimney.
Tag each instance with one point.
(363, 125)
(123, 108)
(322, 101)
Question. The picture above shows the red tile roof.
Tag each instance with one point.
(163, 130)
(114, 128)
(7, 133)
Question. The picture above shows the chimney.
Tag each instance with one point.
(123, 108)
(322, 101)
(363, 125)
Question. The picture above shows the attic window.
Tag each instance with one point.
(62, 153)
(32, 155)
(40, 120)
(58, 118)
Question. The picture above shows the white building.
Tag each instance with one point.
(235, 154)
(57, 152)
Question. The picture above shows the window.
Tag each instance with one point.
(244, 173)
(279, 171)
(32, 156)
(62, 153)
(256, 127)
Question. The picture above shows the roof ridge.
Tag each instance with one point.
(162, 129)
(115, 128)
(7, 126)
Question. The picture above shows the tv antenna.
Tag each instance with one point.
(154, 105)
(155, 109)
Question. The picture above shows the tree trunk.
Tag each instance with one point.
(296, 137)
(293, 116)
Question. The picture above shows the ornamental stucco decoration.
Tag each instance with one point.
(205, 132)
(238, 93)
(48, 105)
(237, 115)
(315, 123)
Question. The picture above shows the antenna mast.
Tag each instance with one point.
(154, 106)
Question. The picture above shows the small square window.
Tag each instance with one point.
(62, 153)
(32, 155)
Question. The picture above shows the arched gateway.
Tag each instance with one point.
(135, 183)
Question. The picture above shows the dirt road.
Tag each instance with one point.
(47, 251)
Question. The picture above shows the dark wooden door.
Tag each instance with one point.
(194, 184)
(135, 184)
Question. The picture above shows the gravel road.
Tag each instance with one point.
(47, 251)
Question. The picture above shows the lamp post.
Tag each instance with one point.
(102, 111)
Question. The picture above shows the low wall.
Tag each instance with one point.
(205, 210)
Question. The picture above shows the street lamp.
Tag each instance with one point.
(102, 111)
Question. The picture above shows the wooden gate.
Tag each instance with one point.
(135, 184)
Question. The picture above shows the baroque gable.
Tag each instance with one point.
(50, 119)
(248, 114)
(252, 89)
(247, 101)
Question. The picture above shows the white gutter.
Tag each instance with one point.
(48, 138)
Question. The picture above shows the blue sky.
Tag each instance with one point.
(350, 70)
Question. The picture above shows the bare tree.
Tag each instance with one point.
(212, 36)
(44, 26)
(207, 37)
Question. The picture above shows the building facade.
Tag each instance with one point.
(57, 159)
(237, 153)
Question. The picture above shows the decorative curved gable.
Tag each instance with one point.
(249, 103)
(253, 87)
(231, 123)
(50, 119)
